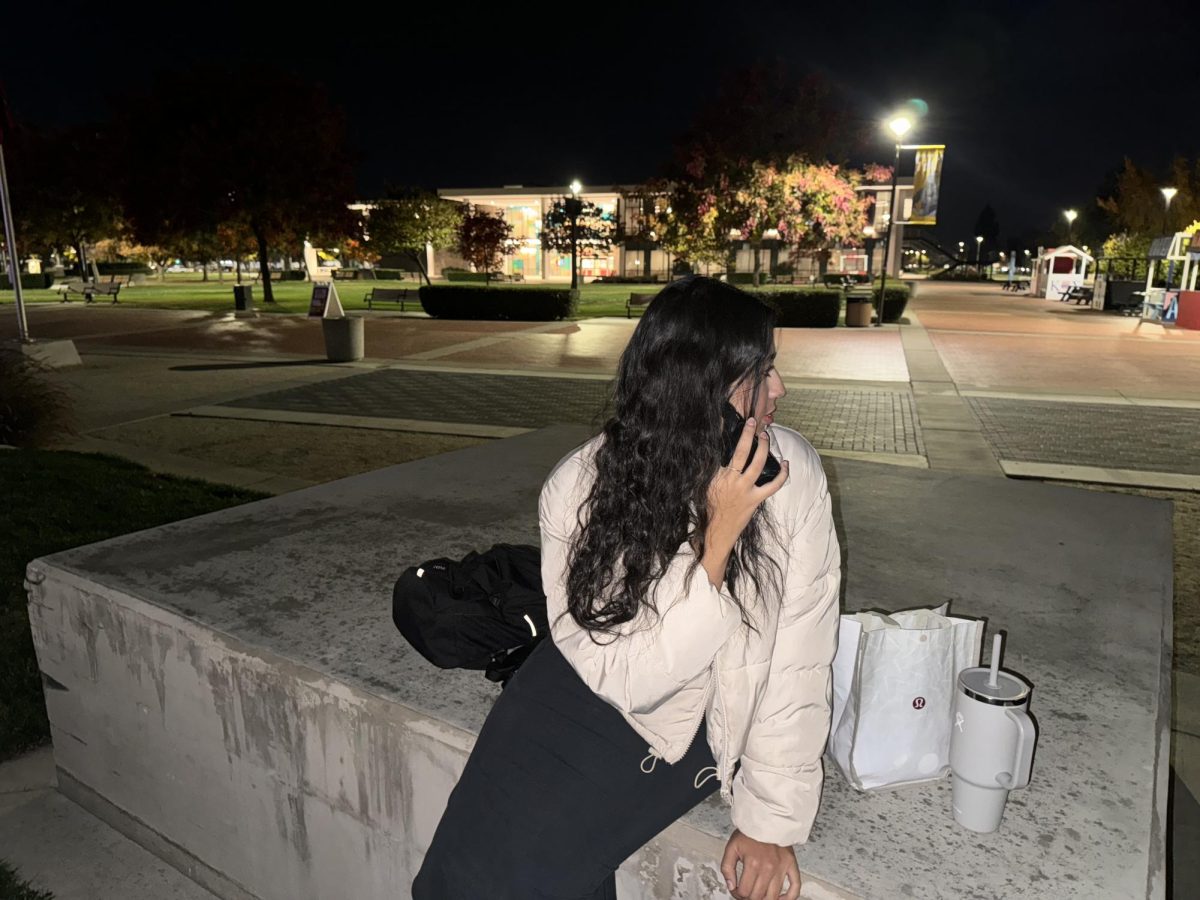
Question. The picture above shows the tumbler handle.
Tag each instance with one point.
(1022, 767)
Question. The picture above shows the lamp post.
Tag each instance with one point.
(14, 259)
(978, 252)
(573, 206)
(869, 246)
(898, 126)
(1168, 195)
(1070, 216)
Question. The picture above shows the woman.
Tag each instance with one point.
(693, 621)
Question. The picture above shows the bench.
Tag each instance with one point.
(637, 299)
(1078, 293)
(90, 288)
(393, 295)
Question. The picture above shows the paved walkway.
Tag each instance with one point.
(977, 381)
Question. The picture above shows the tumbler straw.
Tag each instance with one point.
(992, 682)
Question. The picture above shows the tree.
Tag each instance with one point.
(1137, 206)
(483, 239)
(64, 189)
(408, 220)
(595, 230)
(812, 206)
(767, 114)
(258, 146)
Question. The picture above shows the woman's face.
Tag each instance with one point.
(770, 389)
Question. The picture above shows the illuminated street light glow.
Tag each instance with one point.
(1071, 215)
(899, 126)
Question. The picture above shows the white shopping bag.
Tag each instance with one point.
(893, 694)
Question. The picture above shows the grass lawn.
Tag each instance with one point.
(56, 500)
(186, 292)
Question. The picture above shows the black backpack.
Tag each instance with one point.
(486, 611)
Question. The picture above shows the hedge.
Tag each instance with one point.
(475, 277)
(28, 282)
(123, 268)
(812, 308)
(526, 304)
(897, 301)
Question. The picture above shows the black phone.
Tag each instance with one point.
(734, 422)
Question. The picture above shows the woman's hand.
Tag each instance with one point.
(733, 497)
(764, 868)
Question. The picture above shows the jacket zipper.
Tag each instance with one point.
(708, 690)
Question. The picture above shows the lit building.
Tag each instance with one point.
(636, 253)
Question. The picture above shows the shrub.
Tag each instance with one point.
(958, 274)
(814, 308)
(33, 412)
(122, 268)
(474, 277)
(528, 304)
(389, 274)
(28, 282)
(897, 301)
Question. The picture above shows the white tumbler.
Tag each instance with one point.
(991, 746)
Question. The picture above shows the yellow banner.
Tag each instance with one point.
(927, 182)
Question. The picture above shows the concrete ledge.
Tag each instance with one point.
(56, 354)
(234, 684)
(1097, 475)
(373, 422)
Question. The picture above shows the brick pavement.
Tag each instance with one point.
(1142, 438)
(863, 420)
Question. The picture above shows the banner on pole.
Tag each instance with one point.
(927, 182)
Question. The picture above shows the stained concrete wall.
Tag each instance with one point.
(230, 690)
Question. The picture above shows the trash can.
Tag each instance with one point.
(243, 297)
(343, 338)
(858, 311)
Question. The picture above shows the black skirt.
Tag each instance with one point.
(554, 796)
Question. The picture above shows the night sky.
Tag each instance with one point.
(1036, 101)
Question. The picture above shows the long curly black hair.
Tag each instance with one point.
(699, 338)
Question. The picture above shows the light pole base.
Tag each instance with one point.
(53, 354)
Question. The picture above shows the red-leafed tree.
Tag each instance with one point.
(483, 239)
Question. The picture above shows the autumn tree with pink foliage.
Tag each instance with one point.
(811, 207)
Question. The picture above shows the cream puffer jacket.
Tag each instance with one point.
(766, 696)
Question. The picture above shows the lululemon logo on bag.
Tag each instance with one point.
(919, 703)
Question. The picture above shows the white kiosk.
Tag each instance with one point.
(1059, 269)
(1161, 303)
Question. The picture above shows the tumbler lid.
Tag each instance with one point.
(1009, 690)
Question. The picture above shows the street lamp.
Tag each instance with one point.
(899, 126)
(573, 206)
(1071, 216)
(978, 250)
(1168, 195)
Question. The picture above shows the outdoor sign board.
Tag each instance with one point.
(325, 303)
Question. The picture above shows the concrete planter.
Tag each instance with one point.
(343, 338)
